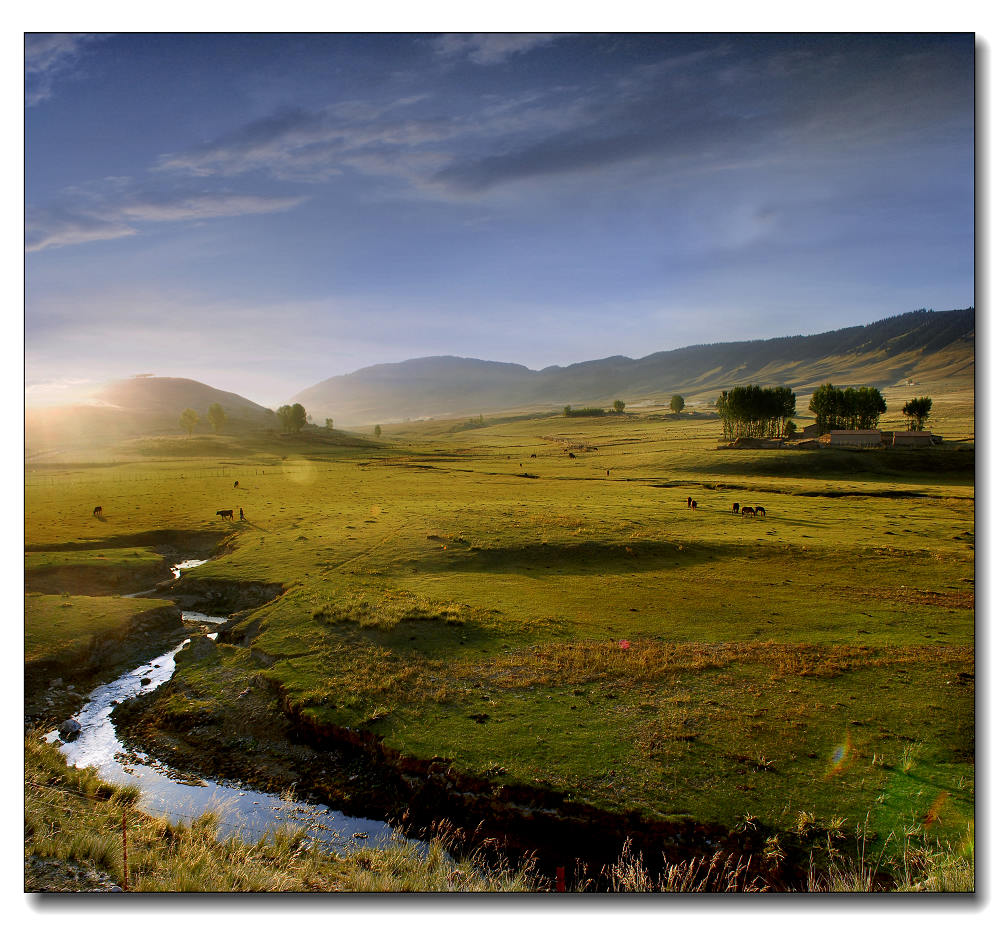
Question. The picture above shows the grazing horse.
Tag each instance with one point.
(693, 505)
(760, 510)
(689, 502)
(748, 509)
(98, 511)
(225, 515)
(235, 484)
(534, 455)
(572, 456)
(735, 508)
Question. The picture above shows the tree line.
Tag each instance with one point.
(847, 409)
(754, 411)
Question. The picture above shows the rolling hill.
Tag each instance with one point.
(141, 406)
(922, 345)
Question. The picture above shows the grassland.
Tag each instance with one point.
(571, 624)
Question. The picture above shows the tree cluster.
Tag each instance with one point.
(292, 418)
(754, 411)
(569, 412)
(847, 409)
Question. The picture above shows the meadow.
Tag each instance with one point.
(475, 595)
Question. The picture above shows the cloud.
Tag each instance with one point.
(93, 218)
(313, 146)
(726, 105)
(491, 47)
(48, 56)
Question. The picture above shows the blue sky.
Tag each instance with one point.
(261, 212)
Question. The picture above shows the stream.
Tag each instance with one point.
(180, 797)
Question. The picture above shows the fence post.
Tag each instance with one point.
(124, 849)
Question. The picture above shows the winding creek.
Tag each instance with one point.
(179, 797)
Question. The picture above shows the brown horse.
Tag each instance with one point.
(748, 509)
(761, 511)
(735, 508)
(98, 511)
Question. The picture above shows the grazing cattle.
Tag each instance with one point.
(748, 509)
(572, 456)
(225, 515)
(98, 511)
(760, 510)
(235, 484)
(735, 508)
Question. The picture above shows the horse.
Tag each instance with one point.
(225, 515)
(572, 456)
(735, 508)
(235, 484)
(748, 509)
(98, 511)
(693, 505)
(760, 510)
(534, 455)
(688, 501)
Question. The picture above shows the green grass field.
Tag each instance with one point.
(570, 623)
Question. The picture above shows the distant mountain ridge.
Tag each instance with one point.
(882, 353)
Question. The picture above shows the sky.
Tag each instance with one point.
(263, 211)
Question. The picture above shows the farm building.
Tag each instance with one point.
(911, 438)
(852, 438)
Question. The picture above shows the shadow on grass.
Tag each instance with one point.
(579, 558)
(192, 541)
(935, 464)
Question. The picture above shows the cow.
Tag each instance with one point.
(225, 515)
(235, 484)
(735, 508)
(760, 510)
(748, 509)
(572, 456)
(98, 511)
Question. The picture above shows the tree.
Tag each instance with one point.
(676, 404)
(216, 414)
(847, 409)
(918, 412)
(618, 406)
(567, 411)
(188, 418)
(329, 423)
(378, 430)
(292, 418)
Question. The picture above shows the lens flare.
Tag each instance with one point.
(840, 758)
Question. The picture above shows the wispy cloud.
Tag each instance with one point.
(313, 146)
(49, 56)
(491, 47)
(95, 218)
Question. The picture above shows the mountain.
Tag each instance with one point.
(921, 345)
(144, 405)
